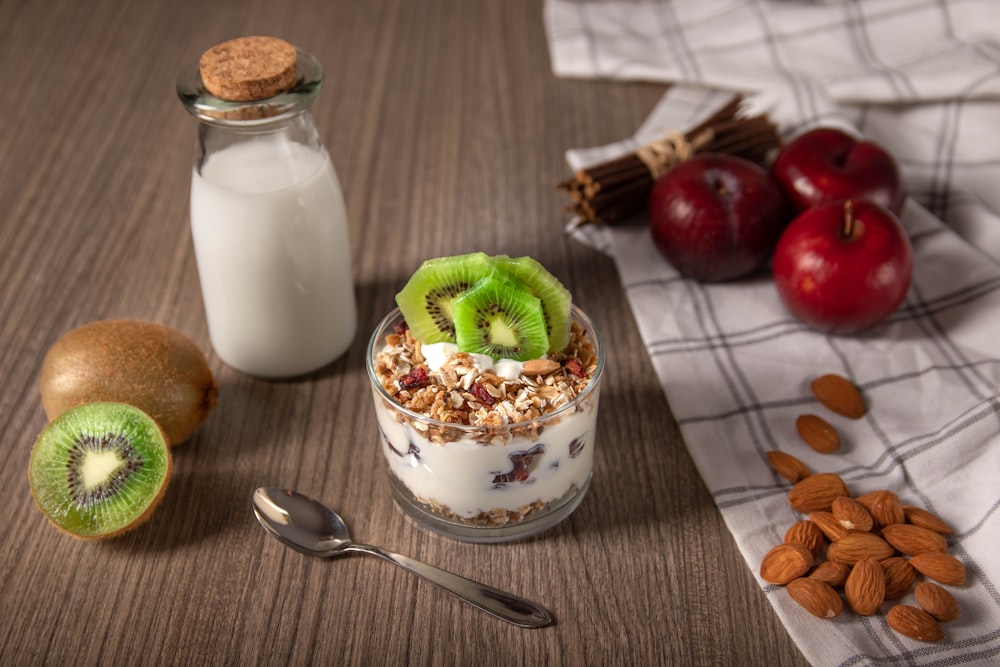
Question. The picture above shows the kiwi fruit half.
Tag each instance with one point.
(99, 469)
(151, 366)
(426, 299)
(554, 296)
(498, 317)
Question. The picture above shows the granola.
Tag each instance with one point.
(497, 516)
(461, 393)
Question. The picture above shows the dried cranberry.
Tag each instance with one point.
(400, 327)
(575, 367)
(521, 466)
(415, 378)
(483, 396)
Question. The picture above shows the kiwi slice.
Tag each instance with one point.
(426, 300)
(554, 296)
(498, 317)
(99, 469)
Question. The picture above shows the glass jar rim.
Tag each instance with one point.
(377, 340)
(212, 109)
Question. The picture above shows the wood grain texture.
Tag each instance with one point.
(448, 130)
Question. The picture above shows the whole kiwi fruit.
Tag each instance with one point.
(148, 365)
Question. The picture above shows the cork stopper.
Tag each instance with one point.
(246, 69)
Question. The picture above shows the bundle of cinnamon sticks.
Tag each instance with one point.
(612, 191)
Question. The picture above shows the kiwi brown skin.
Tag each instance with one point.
(148, 365)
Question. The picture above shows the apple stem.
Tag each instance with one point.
(848, 229)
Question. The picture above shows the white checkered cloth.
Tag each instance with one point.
(736, 367)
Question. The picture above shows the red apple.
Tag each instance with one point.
(716, 217)
(843, 267)
(826, 165)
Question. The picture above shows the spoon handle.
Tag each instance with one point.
(506, 606)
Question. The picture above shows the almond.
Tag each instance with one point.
(534, 367)
(816, 597)
(818, 433)
(839, 394)
(913, 540)
(816, 492)
(785, 562)
(854, 547)
(865, 587)
(914, 623)
(940, 567)
(921, 517)
(827, 523)
(851, 514)
(788, 466)
(884, 506)
(936, 601)
(830, 572)
(807, 534)
(899, 577)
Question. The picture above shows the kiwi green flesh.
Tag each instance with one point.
(555, 298)
(426, 301)
(497, 317)
(99, 469)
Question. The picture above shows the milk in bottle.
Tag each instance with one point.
(269, 226)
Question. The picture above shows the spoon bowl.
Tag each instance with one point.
(311, 528)
(315, 530)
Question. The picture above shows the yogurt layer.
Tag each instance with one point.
(484, 483)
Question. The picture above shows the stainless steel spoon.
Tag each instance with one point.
(310, 527)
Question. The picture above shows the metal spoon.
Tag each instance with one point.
(312, 528)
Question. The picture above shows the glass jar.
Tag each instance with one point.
(480, 483)
(269, 228)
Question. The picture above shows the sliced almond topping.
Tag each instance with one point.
(534, 367)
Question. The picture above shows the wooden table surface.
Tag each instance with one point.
(448, 130)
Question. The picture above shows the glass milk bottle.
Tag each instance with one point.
(267, 213)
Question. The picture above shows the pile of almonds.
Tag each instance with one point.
(871, 547)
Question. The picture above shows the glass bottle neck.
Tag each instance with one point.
(287, 105)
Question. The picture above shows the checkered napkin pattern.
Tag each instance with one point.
(736, 367)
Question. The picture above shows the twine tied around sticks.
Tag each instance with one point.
(612, 192)
(660, 155)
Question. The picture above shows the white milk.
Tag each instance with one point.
(270, 237)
